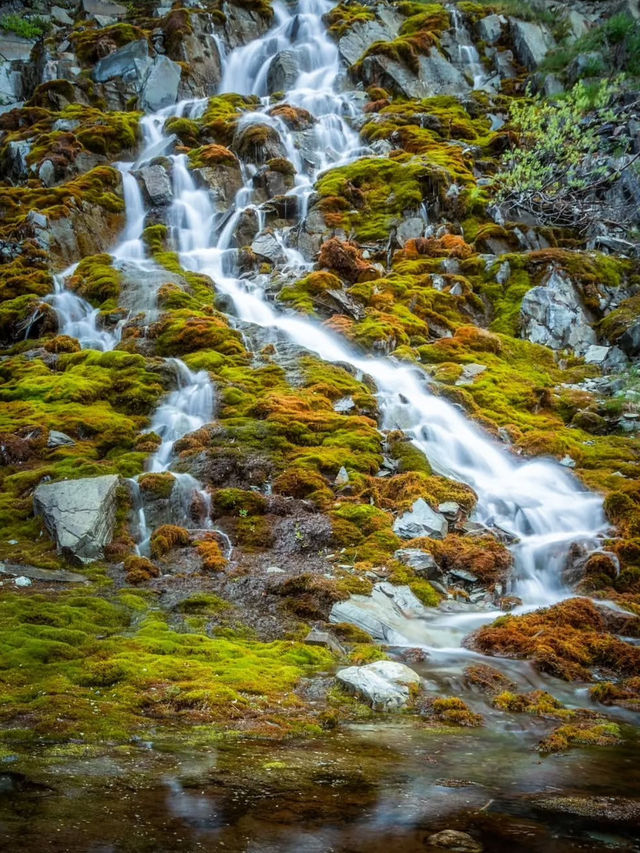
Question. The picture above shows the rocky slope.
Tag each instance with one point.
(205, 514)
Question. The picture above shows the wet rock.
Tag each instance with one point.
(15, 53)
(157, 184)
(422, 562)
(531, 42)
(242, 25)
(421, 521)
(258, 143)
(15, 159)
(553, 315)
(267, 247)
(79, 514)
(201, 55)
(161, 85)
(385, 685)
(387, 615)
(246, 228)
(283, 71)
(459, 842)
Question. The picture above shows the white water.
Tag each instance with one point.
(537, 501)
(468, 57)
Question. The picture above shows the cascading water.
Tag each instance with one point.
(468, 57)
(537, 502)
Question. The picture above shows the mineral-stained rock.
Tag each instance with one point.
(421, 521)
(79, 514)
(383, 684)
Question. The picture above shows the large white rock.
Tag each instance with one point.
(79, 514)
(385, 684)
(421, 521)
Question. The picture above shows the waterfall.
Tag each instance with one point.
(537, 502)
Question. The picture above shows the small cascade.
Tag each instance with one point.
(77, 318)
(468, 57)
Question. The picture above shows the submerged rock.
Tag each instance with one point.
(452, 839)
(79, 514)
(385, 685)
(421, 521)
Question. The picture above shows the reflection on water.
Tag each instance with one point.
(377, 787)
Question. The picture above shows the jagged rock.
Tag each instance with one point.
(15, 53)
(342, 478)
(421, 521)
(224, 181)
(531, 42)
(160, 87)
(246, 228)
(385, 685)
(490, 28)
(283, 71)
(451, 839)
(266, 246)
(436, 76)
(359, 38)
(79, 514)
(242, 25)
(610, 359)
(348, 305)
(200, 52)
(451, 509)
(553, 315)
(157, 184)
(132, 59)
(323, 638)
(422, 562)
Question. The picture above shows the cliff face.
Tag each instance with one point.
(292, 300)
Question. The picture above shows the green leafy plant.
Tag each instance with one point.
(28, 28)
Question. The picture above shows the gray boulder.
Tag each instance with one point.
(61, 17)
(157, 184)
(15, 53)
(283, 71)
(531, 42)
(59, 439)
(490, 28)
(553, 315)
(160, 88)
(266, 246)
(421, 521)
(385, 685)
(79, 514)
(132, 59)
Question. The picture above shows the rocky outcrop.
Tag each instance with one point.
(79, 514)
(283, 71)
(553, 315)
(531, 42)
(436, 76)
(132, 72)
(385, 685)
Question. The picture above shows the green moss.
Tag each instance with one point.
(96, 280)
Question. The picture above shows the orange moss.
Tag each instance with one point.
(167, 537)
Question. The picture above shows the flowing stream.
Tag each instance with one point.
(537, 502)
